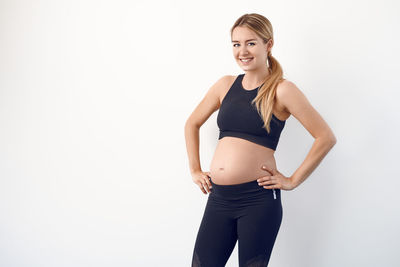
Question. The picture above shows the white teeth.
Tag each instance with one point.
(246, 60)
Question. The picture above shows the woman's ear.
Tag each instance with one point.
(271, 43)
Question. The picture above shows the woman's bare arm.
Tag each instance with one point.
(298, 105)
(208, 105)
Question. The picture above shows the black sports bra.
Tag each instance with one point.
(237, 117)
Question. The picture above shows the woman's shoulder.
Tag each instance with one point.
(285, 86)
(285, 82)
(221, 85)
(225, 82)
(226, 78)
(229, 77)
(288, 94)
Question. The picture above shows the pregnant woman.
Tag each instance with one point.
(244, 185)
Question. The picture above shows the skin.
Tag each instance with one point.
(289, 101)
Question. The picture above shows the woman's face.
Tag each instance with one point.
(247, 45)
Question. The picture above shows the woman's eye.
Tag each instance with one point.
(237, 44)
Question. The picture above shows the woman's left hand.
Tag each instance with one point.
(275, 181)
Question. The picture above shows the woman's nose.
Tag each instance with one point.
(244, 52)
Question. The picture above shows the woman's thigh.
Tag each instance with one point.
(257, 232)
(216, 237)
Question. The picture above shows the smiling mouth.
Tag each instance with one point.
(247, 60)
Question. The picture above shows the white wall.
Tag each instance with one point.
(93, 100)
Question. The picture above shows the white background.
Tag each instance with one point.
(93, 100)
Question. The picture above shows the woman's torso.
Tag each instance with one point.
(237, 160)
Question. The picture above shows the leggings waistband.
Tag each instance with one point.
(242, 190)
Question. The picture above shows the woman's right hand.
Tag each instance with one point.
(202, 179)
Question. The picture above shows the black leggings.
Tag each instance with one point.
(246, 212)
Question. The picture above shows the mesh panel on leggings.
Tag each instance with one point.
(196, 260)
(259, 261)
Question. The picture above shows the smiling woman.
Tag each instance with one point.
(244, 184)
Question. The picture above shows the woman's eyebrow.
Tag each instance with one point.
(234, 41)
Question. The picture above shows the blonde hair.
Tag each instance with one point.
(265, 98)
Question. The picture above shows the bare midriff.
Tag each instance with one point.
(238, 160)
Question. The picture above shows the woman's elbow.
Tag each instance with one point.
(328, 138)
(331, 139)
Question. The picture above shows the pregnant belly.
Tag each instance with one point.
(238, 161)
